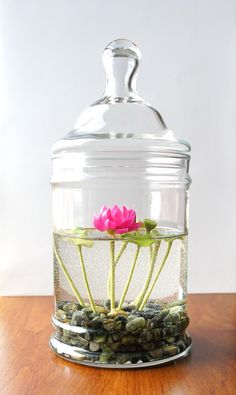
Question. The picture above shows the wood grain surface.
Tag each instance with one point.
(29, 367)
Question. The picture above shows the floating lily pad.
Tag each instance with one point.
(79, 242)
(142, 240)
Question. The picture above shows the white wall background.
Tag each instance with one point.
(50, 69)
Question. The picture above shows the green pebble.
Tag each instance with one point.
(157, 334)
(145, 336)
(135, 324)
(65, 339)
(109, 324)
(170, 350)
(115, 346)
(74, 342)
(82, 341)
(131, 317)
(122, 358)
(110, 339)
(106, 354)
(176, 309)
(157, 353)
(104, 357)
(128, 339)
(170, 340)
(61, 315)
(148, 346)
(100, 338)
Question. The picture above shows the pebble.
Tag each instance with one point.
(116, 336)
(96, 323)
(82, 341)
(115, 346)
(94, 347)
(128, 339)
(157, 353)
(128, 307)
(145, 336)
(154, 306)
(123, 358)
(170, 350)
(154, 322)
(136, 323)
(181, 345)
(61, 315)
(109, 324)
(170, 340)
(100, 338)
(127, 335)
(106, 354)
(148, 346)
(157, 334)
(80, 318)
(148, 313)
(71, 307)
(115, 313)
(131, 317)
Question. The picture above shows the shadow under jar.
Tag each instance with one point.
(120, 200)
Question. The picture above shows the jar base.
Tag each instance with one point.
(74, 354)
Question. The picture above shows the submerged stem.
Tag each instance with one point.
(112, 272)
(129, 279)
(157, 275)
(68, 277)
(86, 279)
(153, 257)
(118, 256)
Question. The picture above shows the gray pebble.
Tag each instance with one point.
(94, 347)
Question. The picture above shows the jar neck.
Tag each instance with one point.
(121, 74)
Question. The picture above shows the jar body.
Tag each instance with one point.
(120, 298)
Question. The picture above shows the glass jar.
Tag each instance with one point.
(120, 200)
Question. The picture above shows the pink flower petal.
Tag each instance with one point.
(120, 221)
(109, 225)
(120, 231)
(98, 224)
(117, 215)
(104, 208)
(125, 211)
(134, 226)
(128, 222)
(114, 209)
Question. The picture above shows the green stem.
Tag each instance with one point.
(129, 279)
(86, 279)
(153, 257)
(68, 277)
(112, 272)
(157, 275)
(150, 257)
(118, 256)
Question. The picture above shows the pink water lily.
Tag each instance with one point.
(114, 220)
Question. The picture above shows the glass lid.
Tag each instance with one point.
(121, 114)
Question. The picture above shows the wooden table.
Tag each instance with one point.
(29, 367)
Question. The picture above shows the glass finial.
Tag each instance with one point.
(121, 61)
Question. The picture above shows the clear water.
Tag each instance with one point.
(148, 319)
(171, 283)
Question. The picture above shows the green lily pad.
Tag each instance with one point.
(156, 233)
(79, 242)
(142, 240)
(80, 231)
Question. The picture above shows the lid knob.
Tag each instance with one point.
(121, 61)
